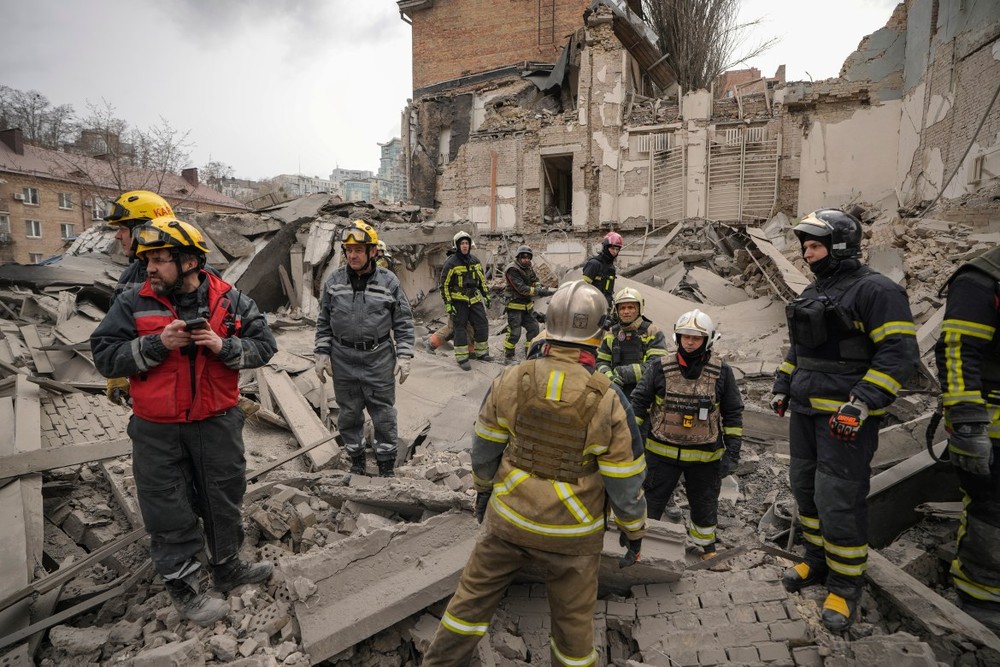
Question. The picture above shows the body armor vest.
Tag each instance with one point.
(550, 436)
(688, 414)
(823, 332)
(628, 348)
(988, 263)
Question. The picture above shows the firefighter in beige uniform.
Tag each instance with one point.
(551, 441)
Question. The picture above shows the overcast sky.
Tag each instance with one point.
(301, 86)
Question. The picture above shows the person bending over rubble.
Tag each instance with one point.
(968, 363)
(691, 414)
(364, 337)
(631, 342)
(853, 345)
(550, 443)
(181, 339)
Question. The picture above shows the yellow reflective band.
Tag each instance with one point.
(481, 481)
(655, 352)
(702, 533)
(461, 627)
(588, 659)
(847, 552)
(630, 526)
(513, 305)
(880, 379)
(813, 539)
(595, 449)
(587, 279)
(859, 325)
(832, 404)
(846, 570)
(732, 430)
(951, 398)
(683, 453)
(901, 328)
(515, 477)
(809, 521)
(639, 421)
(553, 390)
(786, 367)
(493, 435)
(546, 529)
(624, 469)
(954, 381)
(972, 588)
(967, 328)
(572, 503)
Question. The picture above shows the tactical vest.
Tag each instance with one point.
(550, 436)
(688, 414)
(823, 332)
(988, 263)
(628, 347)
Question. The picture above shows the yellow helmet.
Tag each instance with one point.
(136, 207)
(169, 232)
(577, 313)
(359, 233)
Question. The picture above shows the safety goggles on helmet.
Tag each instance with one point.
(163, 234)
(357, 236)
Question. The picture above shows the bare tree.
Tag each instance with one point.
(702, 38)
(215, 172)
(41, 123)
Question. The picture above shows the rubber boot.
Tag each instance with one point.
(385, 468)
(358, 466)
(236, 572)
(509, 360)
(465, 365)
(838, 613)
(197, 607)
(984, 612)
(673, 513)
(794, 579)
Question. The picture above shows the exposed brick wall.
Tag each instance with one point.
(455, 38)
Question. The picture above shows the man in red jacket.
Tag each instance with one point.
(181, 339)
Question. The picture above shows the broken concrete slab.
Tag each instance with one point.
(301, 418)
(889, 262)
(794, 279)
(367, 584)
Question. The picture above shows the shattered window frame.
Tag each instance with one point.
(33, 229)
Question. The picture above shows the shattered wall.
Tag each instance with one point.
(485, 35)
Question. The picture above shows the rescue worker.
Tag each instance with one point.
(631, 342)
(384, 257)
(522, 287)
(968, 362)
(853, 345)
(182, 339)
(600, 270)
(552, 440)
(364, 336)
(691, 415)
(129, 211)
(466, 298)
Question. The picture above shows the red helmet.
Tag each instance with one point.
(613, 239)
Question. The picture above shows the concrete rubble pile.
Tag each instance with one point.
(365, 564)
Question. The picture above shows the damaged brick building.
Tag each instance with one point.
(575, 122)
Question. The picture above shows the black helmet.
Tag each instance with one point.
(524, 250)
(840, 232)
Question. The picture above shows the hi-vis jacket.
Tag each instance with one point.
(968, 351)
(625, 349)
(462, 279)
(664, 395)
(543, 512)
(820, 378)
(521, 288)
(600, 272)
(181, 385)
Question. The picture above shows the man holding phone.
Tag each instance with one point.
(181, 339)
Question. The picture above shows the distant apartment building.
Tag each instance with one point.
(339, 175)
(391, 172)
(49, 197)
(297, 185)
(359, 189)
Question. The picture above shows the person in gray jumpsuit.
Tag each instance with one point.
(364, 336)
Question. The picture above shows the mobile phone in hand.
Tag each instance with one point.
(195, 324)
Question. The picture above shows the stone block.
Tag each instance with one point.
(742, 654)
(712, 656)
(423, 632)
(741, 614)
(712, 618)
(223, 647)
(796, 632)
(769, 612)
(776, 651)
(510, 646)
(175, 654)
(685, 620)
(647, 607)
(78, 641)
(714, 599)
(807, 656)
(622, 610)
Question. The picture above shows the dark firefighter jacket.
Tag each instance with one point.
(600, 272)
(462, 279)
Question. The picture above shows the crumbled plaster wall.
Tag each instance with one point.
(452, 113)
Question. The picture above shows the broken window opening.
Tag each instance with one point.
(557, 201)
(444, 146)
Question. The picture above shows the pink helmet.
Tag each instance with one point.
(613, 239)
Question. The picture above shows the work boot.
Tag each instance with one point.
(838, 613)
(485, 356)
(673, 513)
(358, 464)
(197, 607)
(465, 365)
(385, 468)
(236, 572)
(800, 576)
(509, 360)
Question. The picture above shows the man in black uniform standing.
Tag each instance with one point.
(968, 363)
(522, 287)
(600, 270)
(853, 345)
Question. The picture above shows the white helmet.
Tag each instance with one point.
(577, 313)
(463, 235)
(630, 295)
(696, 323)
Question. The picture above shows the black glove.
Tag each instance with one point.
(482, 501)
(779, 403)
(632, 551)
(539, 317)
(847, 420)
(626, 373)
(970, 447)
(728, 465)
(545, 291)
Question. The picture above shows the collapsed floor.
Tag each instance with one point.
(365, 565)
